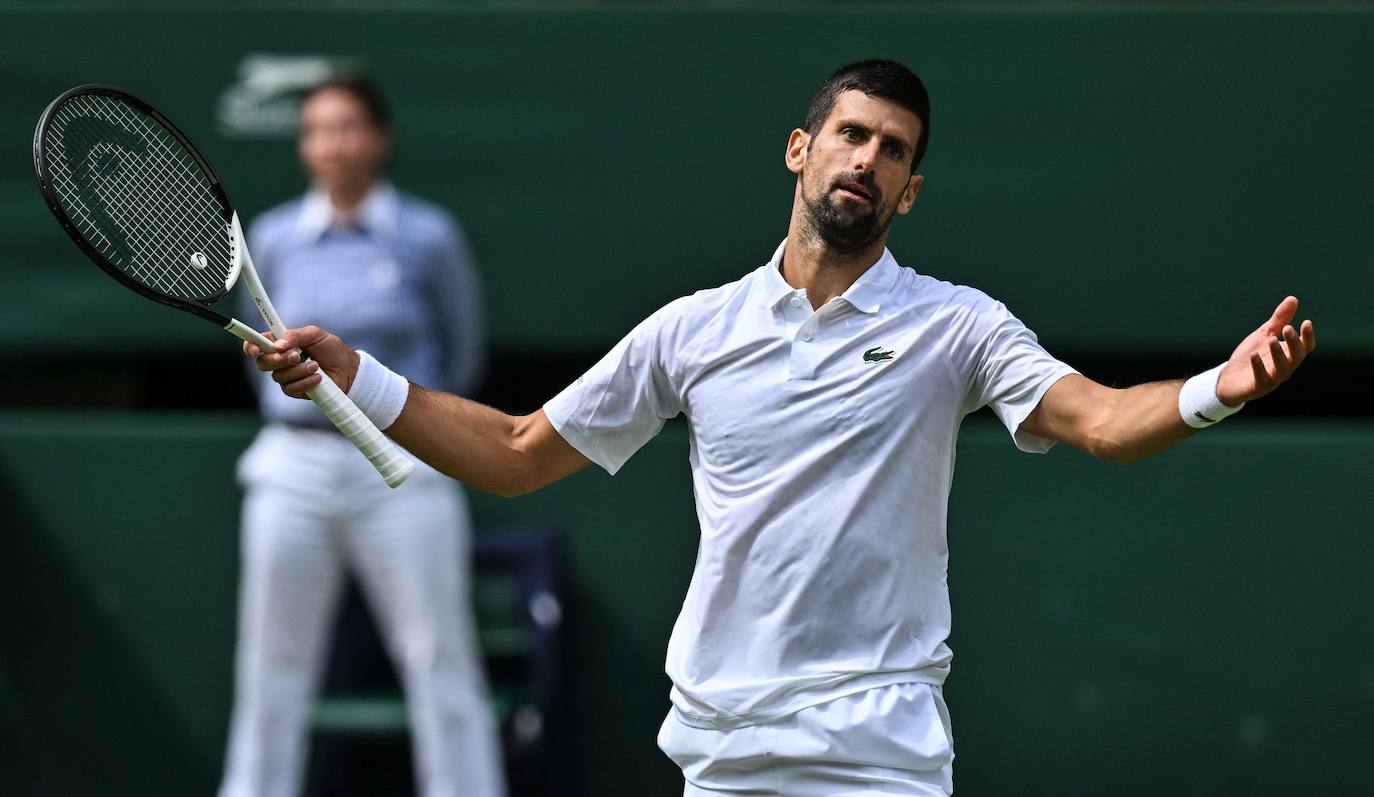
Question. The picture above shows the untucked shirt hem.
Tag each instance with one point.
(800, 700)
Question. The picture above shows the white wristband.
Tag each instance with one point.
(1198, 402)
(378, 391)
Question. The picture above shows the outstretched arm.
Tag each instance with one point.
(488, 449)
(1123, 425)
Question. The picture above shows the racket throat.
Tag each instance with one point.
(243, 263)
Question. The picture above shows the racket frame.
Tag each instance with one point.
(393, 465)
(199, 306)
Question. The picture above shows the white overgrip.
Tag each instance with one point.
(384, 455)
(242, 331)
(392, 463)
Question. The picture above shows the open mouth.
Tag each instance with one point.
(853, 192)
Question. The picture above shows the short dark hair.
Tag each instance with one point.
(363, 89)
(877, 77)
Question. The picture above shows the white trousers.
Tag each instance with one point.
(315, 507)
(893, 741)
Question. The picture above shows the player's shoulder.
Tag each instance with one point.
(963, 313)
(692, 321)
(943, 296)
(696, 311)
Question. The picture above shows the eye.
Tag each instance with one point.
(850, 134)
(893, 151)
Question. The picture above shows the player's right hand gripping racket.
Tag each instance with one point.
(138, 197)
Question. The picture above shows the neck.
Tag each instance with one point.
(810, 263)
(345, 199)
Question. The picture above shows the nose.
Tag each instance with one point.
(866, 157)
(332, 141)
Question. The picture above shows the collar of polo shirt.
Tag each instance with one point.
(376, 213)
(865, 295)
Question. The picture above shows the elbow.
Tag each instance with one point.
(1108, 449)
(518, 485)
(1117, 457)
(514, 481)
(526, 470)
(506, 490)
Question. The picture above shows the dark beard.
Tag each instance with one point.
(847, 233)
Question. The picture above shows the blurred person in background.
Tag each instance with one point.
(396, 274)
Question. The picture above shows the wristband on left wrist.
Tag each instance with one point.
(1198, 402)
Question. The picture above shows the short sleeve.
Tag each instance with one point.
(617, 406)
(1011, 372)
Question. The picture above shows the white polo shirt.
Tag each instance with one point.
(822, 450)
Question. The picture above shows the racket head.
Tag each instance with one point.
(138, 197)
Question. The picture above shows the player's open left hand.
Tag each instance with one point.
(1266, 357)
(285, 364)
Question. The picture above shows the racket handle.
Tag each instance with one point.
(384, 455)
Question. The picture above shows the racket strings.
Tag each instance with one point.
(169, 271)
(152, 250)
(139, 197)
(157, 182)
(122, 185)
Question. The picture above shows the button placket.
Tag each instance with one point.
(806, 352)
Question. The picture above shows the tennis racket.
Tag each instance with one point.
(143, 202)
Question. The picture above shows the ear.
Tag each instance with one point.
(795, 156)
(909, 195)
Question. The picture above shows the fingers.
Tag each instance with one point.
(1297, 352)
(1286, 353)
(1309, 336)
(296, 380)
(1261, 374)
(275, 361)
(300, 338)
(1274, 351)
(291, 366)
(305, 337)
(1283, 314)
(252, 349)
(287, 353)
(1279, 356)
(1278, 361)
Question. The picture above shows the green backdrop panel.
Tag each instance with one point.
(1203, 616)
(1201, 619)
(1152, 180)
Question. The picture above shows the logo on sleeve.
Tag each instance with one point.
(875, 355)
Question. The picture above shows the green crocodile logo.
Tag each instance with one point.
(875, 356)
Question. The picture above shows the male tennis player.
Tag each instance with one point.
(824, 391)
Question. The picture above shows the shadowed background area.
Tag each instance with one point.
(1140, 183)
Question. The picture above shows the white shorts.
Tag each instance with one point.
(891, 741)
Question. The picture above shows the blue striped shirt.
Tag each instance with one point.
(398, 281)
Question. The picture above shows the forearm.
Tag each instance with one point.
(1135, 422)
(1115, 424)
(478, 445)
(470, 442)
(1126, 425)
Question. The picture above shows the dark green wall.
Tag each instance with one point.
(1133, 180)
(1202, 617)
(1126, 177)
